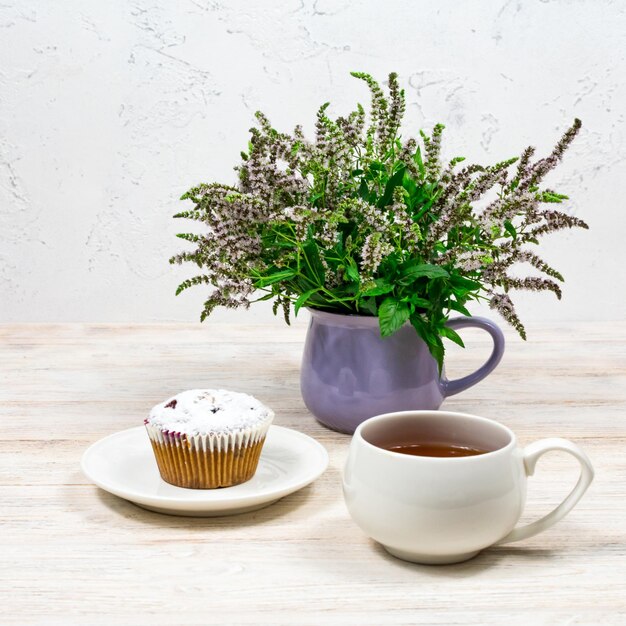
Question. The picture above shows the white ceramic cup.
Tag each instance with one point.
(445, 510)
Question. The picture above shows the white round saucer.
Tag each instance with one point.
(123, 464)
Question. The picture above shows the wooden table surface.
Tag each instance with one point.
(73, 554)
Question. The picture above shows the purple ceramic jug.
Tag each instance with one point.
(350, 373)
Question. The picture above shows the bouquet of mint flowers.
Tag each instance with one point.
(362, 221)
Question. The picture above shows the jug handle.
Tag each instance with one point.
(451, 387)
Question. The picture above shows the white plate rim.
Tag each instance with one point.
(216, 499)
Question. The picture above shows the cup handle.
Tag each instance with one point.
(450, 387)
(531, 456)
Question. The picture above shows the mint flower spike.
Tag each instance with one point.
(359, 220)
(379, 108)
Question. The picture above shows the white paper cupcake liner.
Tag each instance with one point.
(211, 460)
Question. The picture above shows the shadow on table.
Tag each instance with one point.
(484, 560)
(131, 511)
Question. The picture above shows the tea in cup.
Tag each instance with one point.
(439, 487)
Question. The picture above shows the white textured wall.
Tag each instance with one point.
(110, 110)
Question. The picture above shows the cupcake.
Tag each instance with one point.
(208, 438)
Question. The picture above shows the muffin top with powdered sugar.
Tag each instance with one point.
(204, 411)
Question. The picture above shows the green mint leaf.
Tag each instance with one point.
(352, 271)
(392, 315)
(312, 266)
(452, 335)
(381, 287)
(455, 306)
(464, 283)
(419, 302)
(432, 340)
(369, 306)
(276, 277)
(364, 192)
(392, 183)
(412, 271)
(301, 301)
(510, 229)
